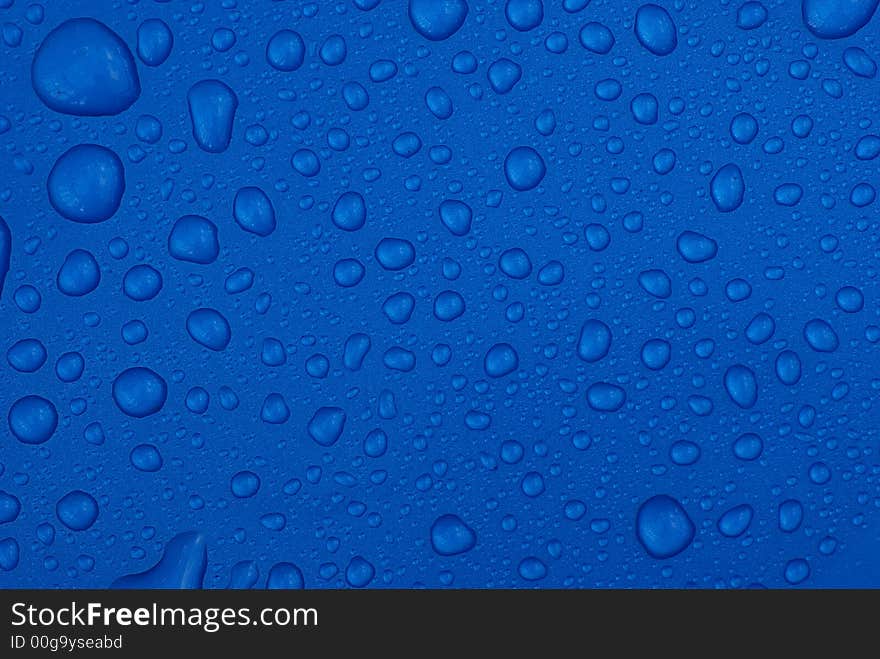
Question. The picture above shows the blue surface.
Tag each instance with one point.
(439, 293)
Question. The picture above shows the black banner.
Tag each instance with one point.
(131, 623)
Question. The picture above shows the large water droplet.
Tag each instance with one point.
(451, 536)
(86, 183)
(84, 68)
(664, 527)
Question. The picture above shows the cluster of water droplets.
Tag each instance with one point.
(560, 292)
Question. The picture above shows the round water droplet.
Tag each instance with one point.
(656, 354)
(503, 75)
(253, 211)
(375, 443)
(743, 128)
(456, 216)
(10, 506)
(859, 62)
(655, 29)
(399, 307)
(736, 521)
(146, 457)
(350, 211)
(695, 247)
(532, 568)
(439, 103)
(524, 15)
(788, 194)
(86, 184)
(644, 108)
(333, 50)
(605, 397)
(193, 239)
(791, 514)
(83, 68)
(836, 19)
(154, 41)
(524, 168)
(437, 20)
(663, 527)
(139, 392)
(551, 274)
(500, 360)
(515, 263)
(26, 355)
(360, 571)
(77, 510)
(142, 283)
(79, 274)
(788, 367)
(820, 336)
(209, 328)
(448, 305)
(395, 253)
(594, 340)
(748, 446)
(275, 409)
(656, 283)
(868, 147)
(751, 15)
(850, 299)
(326, 425)
(285, 576)
(286, 51)
(741, 385)
(798, 570)
(727, 188)
(32, 419)
(684, 453)
(451, 536)
(245, 484)
(596, 38)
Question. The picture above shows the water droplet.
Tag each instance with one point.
(77, 510)
(695, 247)
(524, 168)
(451, 536)
(727, 188)
(193, 239)
(664, 527)
(594, 340)
(596, 38)
(655, 29)
(437, 21)
(605, 397)
(820, 336)
(139, 392)
(524, 15)
(501, 359)
(154, 41)
(836, 19)
(86, 184)
(253, 211)
(286, 51)
(32, 419)
(285, 576)
(326, 425)
(735, 521)
(741, 385)
(83, 68)
(212, 106)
